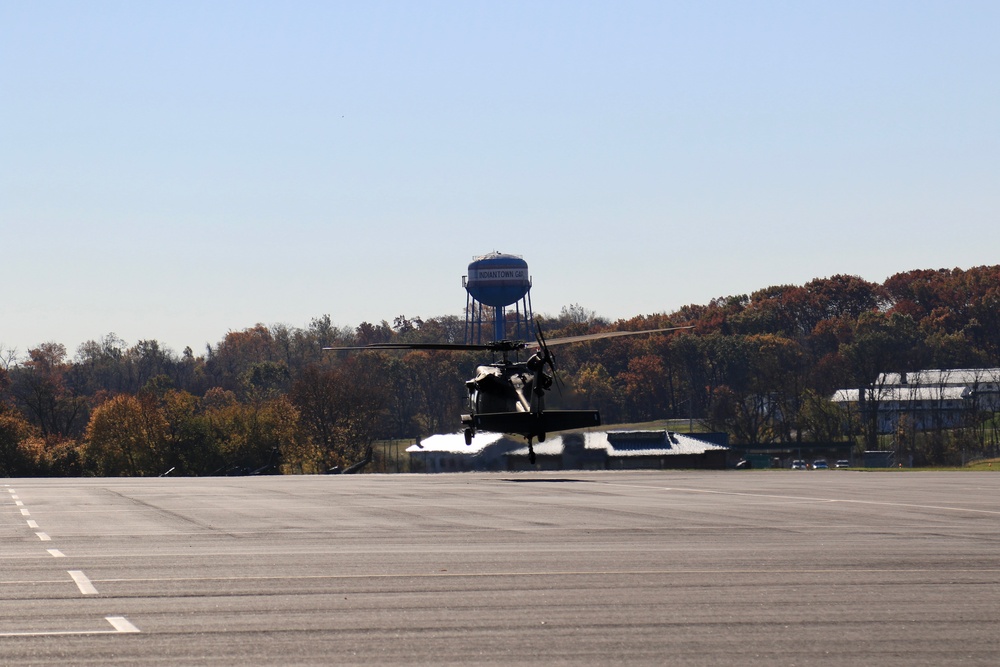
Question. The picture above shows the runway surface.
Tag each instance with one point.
(579, 568)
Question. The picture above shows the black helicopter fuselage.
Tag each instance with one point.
(509, 396)
(507, 386)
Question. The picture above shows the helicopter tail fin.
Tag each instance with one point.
(536, 424)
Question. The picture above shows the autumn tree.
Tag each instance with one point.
(572, 320)
(191, 446)
(126, 437)
(342, 406)
(101, 365)
(16, 456)
(597, 390)
(643, 389)
(43, 389)
(446, 329)
(237, 352)
(298, 348)
(846, 296)
(110, 366)
(369, 334)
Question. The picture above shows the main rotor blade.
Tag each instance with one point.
(455, 347)
(411, 346)
(502, 345)
(547, 357)
(549, 342)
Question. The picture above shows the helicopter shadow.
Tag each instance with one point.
(560, 480)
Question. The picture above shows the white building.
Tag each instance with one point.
(927, 399)
(622, 450)
(448, 452)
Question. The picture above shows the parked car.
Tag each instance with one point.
(842, 463)
(820, 465)
(799, 464)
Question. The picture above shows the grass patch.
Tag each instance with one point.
(986, 465)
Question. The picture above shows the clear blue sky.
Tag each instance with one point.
(174, 170)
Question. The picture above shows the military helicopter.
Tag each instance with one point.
(508, 395)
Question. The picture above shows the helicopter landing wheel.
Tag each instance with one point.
(468, 436)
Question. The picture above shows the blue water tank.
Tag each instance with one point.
(498, 280)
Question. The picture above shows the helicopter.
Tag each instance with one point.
(507, 395)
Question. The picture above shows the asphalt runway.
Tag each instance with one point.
(575, 568)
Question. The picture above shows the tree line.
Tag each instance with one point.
(761, 367)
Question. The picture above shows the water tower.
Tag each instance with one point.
(495, 282)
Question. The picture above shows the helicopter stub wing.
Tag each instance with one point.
(535, 424)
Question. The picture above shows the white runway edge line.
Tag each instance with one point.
(83, 583)
(809, 499)
(120, 624)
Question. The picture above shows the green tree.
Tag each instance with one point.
(883, 343)
(819, 418)
(757, 386)
(191, 447)
(252, 437)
